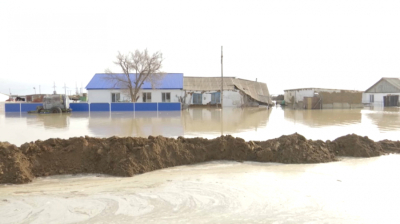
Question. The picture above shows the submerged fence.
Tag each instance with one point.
(25, 107)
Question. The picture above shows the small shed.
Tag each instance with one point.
(384, 93)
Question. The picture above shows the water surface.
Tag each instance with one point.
(248, 123)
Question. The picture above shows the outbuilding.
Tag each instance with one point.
(320, 98)
(203, 91)
(384, 93)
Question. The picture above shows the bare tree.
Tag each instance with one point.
(137, 68)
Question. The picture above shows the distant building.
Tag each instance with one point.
(101, 90)
(385, 92)
(236, 92)
(4, 97)
(320, 98)
(35, 98)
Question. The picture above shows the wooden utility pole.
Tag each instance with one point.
(222, 77)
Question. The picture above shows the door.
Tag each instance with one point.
(391, 101)
(197, 98)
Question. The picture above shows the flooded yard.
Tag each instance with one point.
(248, 123)
(348, 191)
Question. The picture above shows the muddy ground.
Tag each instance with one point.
(129, 156)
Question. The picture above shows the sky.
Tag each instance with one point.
(341, 44)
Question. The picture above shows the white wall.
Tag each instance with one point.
(3, 97)
(231, 98)
(299, 94)
(104, 95)
(378, 98)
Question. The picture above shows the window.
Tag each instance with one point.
(166, 97)
(115, 97)
(147, 97)
(371, 98)
(197, 98)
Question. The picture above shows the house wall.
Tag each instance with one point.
(231, 98)
(378, 98)
(294, 96)
(104, 95)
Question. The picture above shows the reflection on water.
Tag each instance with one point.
(248, 123)
(387, 119)
(321, 118)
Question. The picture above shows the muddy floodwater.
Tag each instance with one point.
(249, 124)
(352, 190)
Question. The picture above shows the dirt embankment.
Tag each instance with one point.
(129, 156)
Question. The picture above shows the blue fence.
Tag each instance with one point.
(145, 106)
(12, 107)
(169, 106)
(122, 106)
(99, 107)
(79, 106)
(24, 107)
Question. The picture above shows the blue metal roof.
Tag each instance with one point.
(170, 81)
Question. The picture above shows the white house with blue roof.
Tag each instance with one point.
(102, 90)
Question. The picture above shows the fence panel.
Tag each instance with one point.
(99, 107)
(122, 107)
(169, 106)
(145, 106)
(12, 107)
(25, 107)
(79, 106)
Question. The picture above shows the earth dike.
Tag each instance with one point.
(127, 156)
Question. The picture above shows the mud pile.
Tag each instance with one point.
(129, 156)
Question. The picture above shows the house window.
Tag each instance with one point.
(147, 97)
(115, 97)
(197, 98)
(166, 97)
(371, 98)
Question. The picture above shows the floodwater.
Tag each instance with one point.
(249, 123)
(348, 191)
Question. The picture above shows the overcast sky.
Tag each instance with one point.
(347, 44)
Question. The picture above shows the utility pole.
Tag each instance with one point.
(40, 92)
(65, 89)
(35, 90)
(222, 94)
(76, 86)
(222, 78)
(54, 88)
